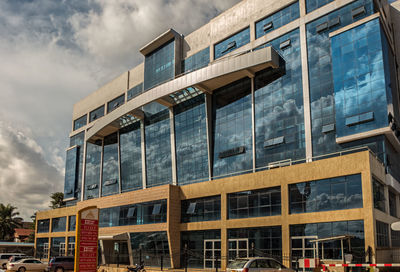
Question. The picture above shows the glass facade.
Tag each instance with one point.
(43, 226)
(278, 19)
(320, 73)
(201, 209)
(191, 140)
(110, 176)
(332, 249)
(359, 79)
(233, 42)
(314, 4)
(97, 113)
(279, 110)
(395, 236)
(92, 171)
(265, 241)
(392, 204)
(78, 140)
(379, 195)
(72, 223)
(59, 224)
(158, 148)
(159, 65)
(80, 122)
(134, 91)
(326, 194)
(256, 203)
(71, 172)
(115, 103)
(131, 157)
(150, 246)
(71, 246)
(57, 247)
(42, 247)
(382, 234)
(193, 242)
(232, 128)
(134, 214)
(196, 61)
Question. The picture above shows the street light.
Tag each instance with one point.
(396, 226)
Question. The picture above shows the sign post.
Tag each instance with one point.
(87, 235)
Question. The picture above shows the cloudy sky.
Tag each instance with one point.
(55, 52)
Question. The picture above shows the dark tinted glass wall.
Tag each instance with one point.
(392, 204)
(196, 61)
(97, 113)
(71, 223)
(232, 43)
(150, 247)
(256, 203)
(201, 209)
(115, 103)
(92, 171)
(279, 113)
(232, 128)
(379, 195)
(43, 226)
(80, 122)
(78, 140)
(110, 177)
(159, 66)
(71, 172)
(135, 214)
(314, 4)
(332, 249)
(57, 246)
(131, 157)
(278, 19)
(359, 79)
(266, 241)
(40, 247)
(326, 194)
(59, 224)
(191, 140)
(382, 234)
(135, 91)
(158, 148)
(320, 73)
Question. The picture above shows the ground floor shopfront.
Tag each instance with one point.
(279, 212)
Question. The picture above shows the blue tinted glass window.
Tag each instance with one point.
(232, 43)
(78, 140)
(279, 113)
(256, 203)
(332, 249)
(326, 194)
(359, 79)
(71, 223)
(57, 247)
(80, 122)
(59, 224)
(379, 195)
(131, 157)
(71, 172)
(135, 214)
(92, 171)
(278, 19)
(159, 66)
(191, 140)
(320, 74)
(41, 249)
(151, 246)
(201, 209)
(97, 113)
(314, 4)
(135, 91)
(110, 179)
(232, 128)
(115, 103)
(158, 149)
(196, 61)
(43, 226)
(71, 246)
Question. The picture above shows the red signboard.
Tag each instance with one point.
(87, 233)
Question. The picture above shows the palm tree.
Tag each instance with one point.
(8, 221)
(57, 200)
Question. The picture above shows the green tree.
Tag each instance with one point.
(8, 221)
(31, 237)
(57, 200)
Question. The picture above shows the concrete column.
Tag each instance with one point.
(253, 124)
(143, 145)
(224, 232)
(209, 134)
(173, 145)
(368, 212)
(130, 249)
(302, 5)
(285, 225)
(306, 91)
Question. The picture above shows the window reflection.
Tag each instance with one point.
(201, 209)
(92, 171)
(110, 180)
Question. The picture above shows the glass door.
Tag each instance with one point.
(302, 248)
(212, 253)
(238, 248)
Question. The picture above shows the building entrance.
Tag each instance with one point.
(212, 253)
(238, 248)
(302, 248)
